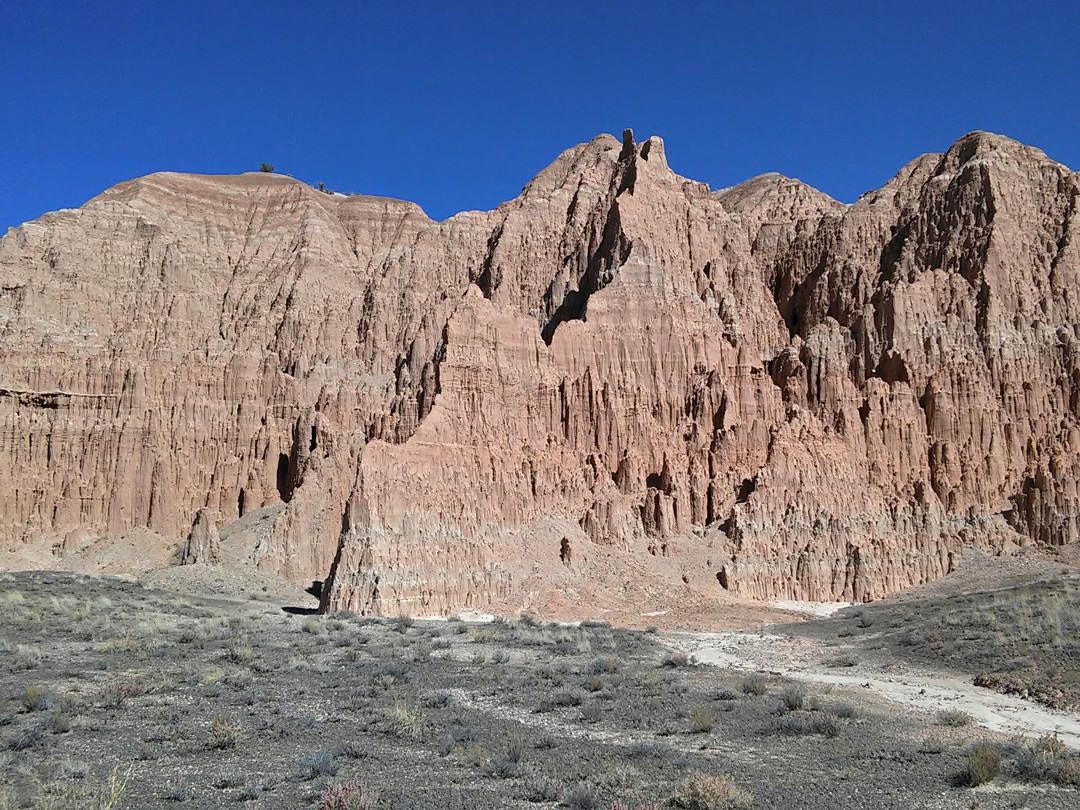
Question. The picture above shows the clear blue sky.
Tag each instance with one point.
(458, 105)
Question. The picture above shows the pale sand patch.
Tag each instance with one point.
(793, 657)
(821, 609)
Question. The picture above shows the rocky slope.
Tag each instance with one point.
(768, 392)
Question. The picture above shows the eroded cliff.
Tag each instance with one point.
(780, 395)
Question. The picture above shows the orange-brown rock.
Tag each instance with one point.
(784, 396)
(203, 542)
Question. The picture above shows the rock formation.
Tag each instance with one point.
(203, 543)
(795, 397)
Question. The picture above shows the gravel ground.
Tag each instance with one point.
(179, 700)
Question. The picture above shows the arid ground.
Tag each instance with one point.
(116, 694)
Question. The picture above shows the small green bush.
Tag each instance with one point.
(983, 764)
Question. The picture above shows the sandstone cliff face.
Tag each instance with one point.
(800, 398)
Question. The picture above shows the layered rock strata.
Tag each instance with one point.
(806, 399)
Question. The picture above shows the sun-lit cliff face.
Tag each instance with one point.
(780, 395)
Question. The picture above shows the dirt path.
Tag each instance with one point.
(799, 658)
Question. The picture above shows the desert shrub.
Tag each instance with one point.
(348, 796)
(36, 699)
(229, 779)
(314, 764)
(483, 635)
(803, 723)
(26, 656)
(592, 712)
(69, 768)
(58, 722)
(604, 666)
(582, 797)
(240, 652)
(793, 697)
(727, 694)
(116, 695)
(440, 698)
(541, 788)
(514, 747)
(983, 764)
(754, 683)
(406, 719)
(391, 672)
(844, 710)
(29, 737)
(223, 734)
(266, 167)
(954, 718)
(703, 721)
(1047, 759)
(842, 661)
(677, 659)
(251, 791)
(502, 767)
(704, 791)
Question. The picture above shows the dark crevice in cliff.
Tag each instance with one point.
(489, 279)
(612, 253)
(746, 489)
(601, 260)
(283, 477)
